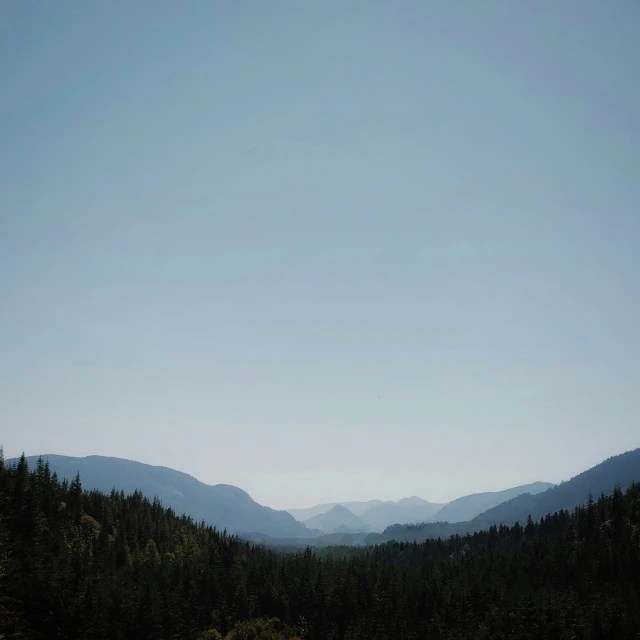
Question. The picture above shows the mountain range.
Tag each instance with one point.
(223, 506)
(468, 507)
(358, 508)
(231, 508)
(407, 510)
(374, 515)
(621, 470)
(228, 507)
(377, 515)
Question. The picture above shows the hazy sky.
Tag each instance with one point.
(320, 249)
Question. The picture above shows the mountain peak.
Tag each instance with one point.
(341, 509)
(337, 517)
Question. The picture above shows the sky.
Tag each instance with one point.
(324, 250)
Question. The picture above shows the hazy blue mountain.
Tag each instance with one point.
(376, 514)
(414, 501)
(357, 508)
(468, 507)
(405, 511)
(336, 520)
(622, 469)
(221, 505)
(327, 540)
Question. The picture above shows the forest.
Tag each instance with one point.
(91, 565)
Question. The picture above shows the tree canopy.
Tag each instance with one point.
(78, 564)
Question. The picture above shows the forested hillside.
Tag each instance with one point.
(621, 470)
(220, 505)
(77, 564)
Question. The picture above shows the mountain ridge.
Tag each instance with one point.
(224, 506)
(621, 470)
(357, 507)
(469, 506)
(338, 519)
(228, 507)
(375, 514)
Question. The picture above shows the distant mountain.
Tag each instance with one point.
(413, 501)
(620, 470)
(603, 478)
(221, 505)
(337, 520)
(376, 514)
(357, 508)
(468, 507)
(406, 511)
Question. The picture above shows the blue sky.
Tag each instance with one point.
(322, 250)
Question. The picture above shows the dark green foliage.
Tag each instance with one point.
(78, 564)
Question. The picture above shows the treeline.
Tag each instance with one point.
(76, 564)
